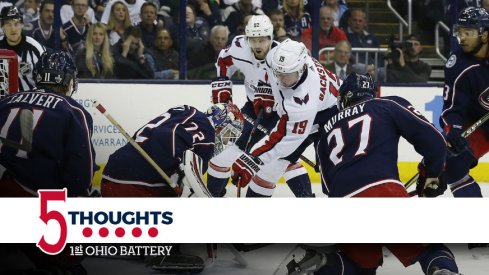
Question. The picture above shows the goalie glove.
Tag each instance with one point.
(429, 187)
(456, 143)
(244, 168)
(263, 99)
(222, 90)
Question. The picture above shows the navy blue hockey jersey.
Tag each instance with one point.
(358, 147)
(165, 139)
(62, 154)
(466, 92)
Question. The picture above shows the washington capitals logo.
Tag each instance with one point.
(237, 42)
(300, 101)
(484, 99)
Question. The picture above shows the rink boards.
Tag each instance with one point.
(132, 105)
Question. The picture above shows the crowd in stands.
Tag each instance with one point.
(138, 38)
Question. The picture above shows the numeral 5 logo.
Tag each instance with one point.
(53, 195)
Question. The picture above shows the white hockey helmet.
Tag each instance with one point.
(258, 26)
(288, 62)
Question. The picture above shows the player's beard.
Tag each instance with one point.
(477, 48)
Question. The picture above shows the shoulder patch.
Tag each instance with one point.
(451, 61)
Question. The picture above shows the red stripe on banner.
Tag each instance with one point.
(223, 64)
(274, 138)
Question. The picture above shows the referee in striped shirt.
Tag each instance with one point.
(27, 48)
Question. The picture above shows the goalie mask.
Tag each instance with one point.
(56, 68)
(228, 123)
(356, 88)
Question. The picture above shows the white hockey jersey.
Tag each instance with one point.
(297, 107)
(238, 56)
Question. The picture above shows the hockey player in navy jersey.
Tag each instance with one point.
(247, 54)
(358, 152)
(61, 152)
(165, 139)
(466, 100)
(302, 90)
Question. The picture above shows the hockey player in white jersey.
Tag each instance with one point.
(247, 53)
(302, 89)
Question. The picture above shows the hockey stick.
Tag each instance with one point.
(472, 128)
(266, 132)
(136, 146)
(26, 122)
(248, 143)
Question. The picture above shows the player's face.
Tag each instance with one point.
(287, 80)
(13, 31)
(98, 37)
(47, 14)
(260, 46)
(468, 38)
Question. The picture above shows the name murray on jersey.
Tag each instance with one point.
(346, 113)
(39, 99)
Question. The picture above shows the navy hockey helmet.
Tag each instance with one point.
(228, 123)
(356, 88)
(10, 13)
(472, 18)
(55, 68)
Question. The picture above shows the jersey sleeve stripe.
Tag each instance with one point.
(275, 137)
(223, 63)
(35, 44)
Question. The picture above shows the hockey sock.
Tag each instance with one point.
(217, 186)
(252, 194)
(437, 257)
(466, 188)
(298, 181)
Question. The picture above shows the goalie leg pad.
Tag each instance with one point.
(193, 178)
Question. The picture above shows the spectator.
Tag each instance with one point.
(341, 65)
(148, 23)
(134, 7)
(43, 28)
(233, 15)
(278, 22)
(404, 64)
(197, 27)
(76, 29)
(95, 59)
(162, 58)
(241, 28)
(359, 37)
(296, 19)
(337, 8)
(99, 7)
(129, 57)
(207, 10)
(67, 13)
(201, 61)
(30, 10)
(329, 34)
(119, 21)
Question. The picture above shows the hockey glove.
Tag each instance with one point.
(244, 168)
(456, 143)
(429, 187)
(263, 99)
(222, 90)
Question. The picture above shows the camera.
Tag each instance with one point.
(397, 44)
